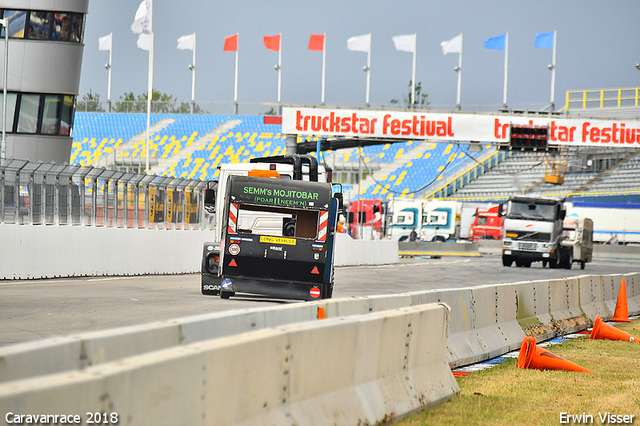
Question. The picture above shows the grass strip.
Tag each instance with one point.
(508, 395)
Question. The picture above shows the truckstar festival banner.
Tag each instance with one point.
(455, 126)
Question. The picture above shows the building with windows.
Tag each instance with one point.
(44, 62)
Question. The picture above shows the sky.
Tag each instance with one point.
(598, 45)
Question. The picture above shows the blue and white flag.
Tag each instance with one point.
(496, 43)
(544, 40)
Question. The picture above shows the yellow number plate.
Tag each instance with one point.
(277, 240)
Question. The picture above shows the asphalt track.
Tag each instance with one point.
(31, 310)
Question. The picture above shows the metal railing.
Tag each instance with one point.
(50, 194)
(602, 98)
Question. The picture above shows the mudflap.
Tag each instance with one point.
(210, 284)
(276, 289)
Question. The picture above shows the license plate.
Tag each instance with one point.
(527, 246)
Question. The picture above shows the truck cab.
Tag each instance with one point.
(533, 231)
(487, 225)
(274, 232)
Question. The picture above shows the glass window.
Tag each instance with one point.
(11, 110)
(28, 115)
(39, 25)
(17, 21)
(75, 32)
(61, 26)
(66, 116)
(50, 114)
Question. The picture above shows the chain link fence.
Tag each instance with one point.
(51, 194)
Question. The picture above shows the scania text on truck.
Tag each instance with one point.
(533, 231)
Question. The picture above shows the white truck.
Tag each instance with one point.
(621, 220)
(274, 224)
(432, 220)
(533, 231)
(578, 237)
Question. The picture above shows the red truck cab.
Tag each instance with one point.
(487, 224)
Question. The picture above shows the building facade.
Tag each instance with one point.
(46, 42)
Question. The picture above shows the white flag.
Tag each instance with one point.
(452, 46)
(187, 42)
(360, 43)
(104, 42)
(405, 43)
(141, 19)
(144, 41)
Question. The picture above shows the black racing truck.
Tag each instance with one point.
(277, 239)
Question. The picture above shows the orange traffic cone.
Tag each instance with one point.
(533, 356)
(602, 330)
(622, 312)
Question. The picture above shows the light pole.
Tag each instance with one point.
(5, 23)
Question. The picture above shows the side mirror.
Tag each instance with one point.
(210, 198)
(338, 196)
(500, 210)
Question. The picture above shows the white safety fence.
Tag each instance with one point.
(243, 349)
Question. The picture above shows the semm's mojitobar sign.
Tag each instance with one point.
(280, 192)
(456, 126)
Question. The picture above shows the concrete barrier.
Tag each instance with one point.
(42, 251)
(350, 252)
(633, 292)
(592, 297)
(356, 370)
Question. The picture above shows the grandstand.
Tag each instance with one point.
(193, 146)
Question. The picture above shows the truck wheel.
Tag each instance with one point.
(526, 263)
(553, 263)
(226, 294)
(582, 264)
(507, 261)
(568, 261)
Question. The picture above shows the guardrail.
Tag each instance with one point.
(374, 359)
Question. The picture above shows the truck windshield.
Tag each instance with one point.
(522, 210)
(277, 222)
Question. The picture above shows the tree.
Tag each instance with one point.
(160, 103)
(422, 99)
(90, 103)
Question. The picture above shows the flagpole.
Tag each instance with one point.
(368, 70)
(413, 70)
(279, 71)
(235, 85)
(193, 76)
(459, 71)
(150, 85)
(324, 62)
(553, 71)
(506, 69)
(109, 76)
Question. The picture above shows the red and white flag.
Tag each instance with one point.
(231, 44)
(316, 42)
(272, 42)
